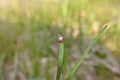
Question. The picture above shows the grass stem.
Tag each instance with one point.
(15, 65)
(60, 60)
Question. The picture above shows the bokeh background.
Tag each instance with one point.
(28, 33)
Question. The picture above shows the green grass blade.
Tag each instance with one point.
(60, 60)
(15, 65)
(91, 45)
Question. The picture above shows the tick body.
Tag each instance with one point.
(60, 38)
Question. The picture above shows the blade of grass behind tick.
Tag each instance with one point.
(60, 60)
(15, 65)
(91, 45)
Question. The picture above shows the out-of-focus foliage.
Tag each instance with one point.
(29, 28)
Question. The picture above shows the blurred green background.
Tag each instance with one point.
(29, 29)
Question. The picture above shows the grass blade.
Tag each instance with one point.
(15, 65)
(91, 45)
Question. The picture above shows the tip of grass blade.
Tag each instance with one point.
(106, 27)
(111, 23)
